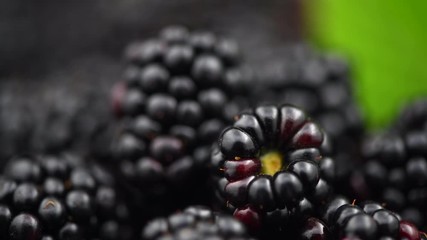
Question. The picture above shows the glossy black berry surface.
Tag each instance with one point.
(270, 159)
(60, 197)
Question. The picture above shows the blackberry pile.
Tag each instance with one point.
(56, 197)
(272, 166)
(180, 90)
(195, 223)
(192, 128)
(395, 171)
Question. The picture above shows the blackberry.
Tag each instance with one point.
(369, 220)
(58, 197)
(180, 90)
(321, 85)
(396, 166)
(272, 167)
(195, 223)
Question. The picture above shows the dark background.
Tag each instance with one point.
(42, 35)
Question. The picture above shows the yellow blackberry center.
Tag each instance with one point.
(271, 162)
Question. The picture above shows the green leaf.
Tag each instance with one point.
(386, 41)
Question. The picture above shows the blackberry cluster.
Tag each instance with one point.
(395, 171)
(195, 223)
(180, 90)
(272, 166)
(56, 197)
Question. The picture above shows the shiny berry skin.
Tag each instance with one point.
(161, 108)
(344, 213)
(236, 170)
(132, 103)
(288, 188)
(52, 212)
(153, 78)
(166, 149)
(249, 216)
(182, 88)
(236, 143)
(388, 223)
(260, 193)
(130, 147)
(70, 231)
(24, 226)
(189, 113)
(314, 229)
(371, 207)
(408, 231)
(79, 205)
(362, 226)
(179, 58)
(307, 172)
(332, 207)
(26, 197)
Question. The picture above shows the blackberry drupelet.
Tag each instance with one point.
(272, 168)
(180, 90)
(195, 223)
(58, 197)
(395, 171)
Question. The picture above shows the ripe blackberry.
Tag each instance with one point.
(369, 220)
(272, 166)
(56, 197)
(195, 223)
(395, 171)
(180, 90)
(321, 85)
